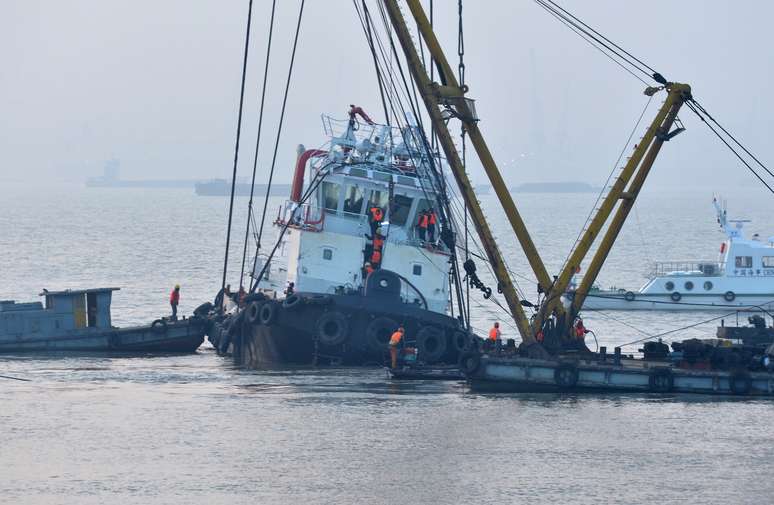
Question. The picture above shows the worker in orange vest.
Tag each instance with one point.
(395, 341)
(422, 223)
(494, 336)
(375, 217)
(431, 220)
(174, 300)
(376, 258)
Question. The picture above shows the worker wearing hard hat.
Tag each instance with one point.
(174, 300)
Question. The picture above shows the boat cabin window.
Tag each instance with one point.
(353, 201)
(670, 286)
(768, 261)
(417, 270)
(707, 286)
(378, 198)
(688, 285)
(743, 262)
(399, 212)
(327, 254)
(330, 196)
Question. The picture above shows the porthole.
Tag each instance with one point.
(707, 286)
(670, 286)
(328, 254)
(688, 286)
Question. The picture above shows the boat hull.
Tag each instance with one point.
(294, 334)
(637, 301)
(169, 336)
(630, 376)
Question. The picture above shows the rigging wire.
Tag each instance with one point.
(236, 147)
(279, 131)
(250, 216)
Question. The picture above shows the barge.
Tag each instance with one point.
(80, 320)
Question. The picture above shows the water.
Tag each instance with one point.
(176, 429)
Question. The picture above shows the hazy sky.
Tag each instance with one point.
(156, 84)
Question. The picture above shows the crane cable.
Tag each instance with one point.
(250, 216)
(279, 133)
(236, 148)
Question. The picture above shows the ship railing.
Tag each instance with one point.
(301, 217)
(676, 268)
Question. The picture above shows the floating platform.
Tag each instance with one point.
(517, 374)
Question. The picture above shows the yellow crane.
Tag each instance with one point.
(449, 95)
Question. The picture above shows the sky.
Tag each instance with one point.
(155, 84)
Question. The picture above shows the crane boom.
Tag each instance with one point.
(635, 172)
(449, 94)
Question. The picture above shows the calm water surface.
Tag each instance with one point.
(193, 429)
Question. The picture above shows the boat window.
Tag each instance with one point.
(353, 202)
(670, 286)
(358, 172)
(688, 285)
(399, 212)
(378, 198)
(707, 286)
(327, 254)
(330, 192)
(768, 261)
(417, 270)
(743, 262)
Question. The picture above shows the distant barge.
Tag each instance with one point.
(80, 320)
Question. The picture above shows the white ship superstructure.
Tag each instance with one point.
(329, 237)
(742, 276)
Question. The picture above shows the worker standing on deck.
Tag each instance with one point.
(422, 224)
(395, 341)
(174, 300)
(431, 220)
(495, 336)
(376, 259)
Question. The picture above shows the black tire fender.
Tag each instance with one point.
(332, 328)
(566, 375)
(268, 313)
(292, 301)
(253, 312)
(379, 331)
(470, 362)
(676, 296)
(740, 382)
(431, 343)
(159, 326)
(661, 380)
(729, 296)
(629, 296)
(460, 341)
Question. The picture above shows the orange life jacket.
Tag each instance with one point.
(494, 334)
(376, 257)
(369, 270)
(396, 338)
(376, 213)
(378, 243)
(432, 218)
(174, 297)
(423, 221)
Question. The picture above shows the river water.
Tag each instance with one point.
(195, 429)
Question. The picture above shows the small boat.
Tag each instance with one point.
(742, 278)
(80, 320)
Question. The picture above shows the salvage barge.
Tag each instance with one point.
(80, 320)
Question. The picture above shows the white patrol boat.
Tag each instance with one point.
(742, 277)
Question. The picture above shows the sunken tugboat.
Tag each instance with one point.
(364, 247)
